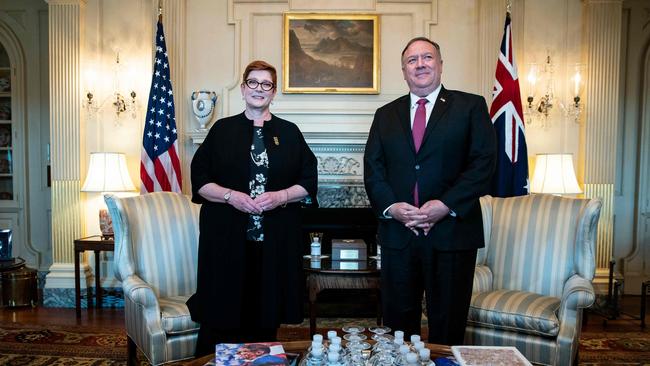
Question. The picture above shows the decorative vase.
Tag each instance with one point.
(203, 103)
(105, 223)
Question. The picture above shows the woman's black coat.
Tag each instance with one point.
(224, 158)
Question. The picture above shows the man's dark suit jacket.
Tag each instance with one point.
(454, 164)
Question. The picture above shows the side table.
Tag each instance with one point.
(97, 244)
(327, 274)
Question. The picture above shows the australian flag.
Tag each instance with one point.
(511, 176)
(160, 168)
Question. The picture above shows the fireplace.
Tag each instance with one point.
(344, 209)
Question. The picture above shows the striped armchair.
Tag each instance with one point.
(533, 278)
(156, 250)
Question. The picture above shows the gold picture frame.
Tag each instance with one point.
(330, 53)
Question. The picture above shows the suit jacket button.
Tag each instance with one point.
(417, 167)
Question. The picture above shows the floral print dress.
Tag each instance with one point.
(257, 183)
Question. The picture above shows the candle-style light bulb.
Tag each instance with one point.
(532, 81)
(90, 79)
(577, 79)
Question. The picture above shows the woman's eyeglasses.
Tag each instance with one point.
(252, 83)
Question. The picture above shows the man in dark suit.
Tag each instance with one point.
(429, 157)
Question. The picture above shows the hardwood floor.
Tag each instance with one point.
(114, 318)
(63, 316)
(626, 322)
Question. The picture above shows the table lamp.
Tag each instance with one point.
(554, 174)
(107, 172)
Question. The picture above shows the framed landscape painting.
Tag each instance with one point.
(330, 53)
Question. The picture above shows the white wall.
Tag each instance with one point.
(223, 36)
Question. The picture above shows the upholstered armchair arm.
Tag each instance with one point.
(143, 302)
(486, 213)
(578, 293)
(142, 311)
(140, 292)
(585, 248)
(482, 279)
(123, 258)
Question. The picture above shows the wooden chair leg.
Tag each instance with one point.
(130, 351)
(644, 294)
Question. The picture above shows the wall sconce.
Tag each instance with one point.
(540, 108)
(574, 108)
(554, 174)
(118, 102)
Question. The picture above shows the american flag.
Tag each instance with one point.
(160, 169)
(511, 176)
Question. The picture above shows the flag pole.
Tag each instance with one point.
(160, 11)
(508, 6)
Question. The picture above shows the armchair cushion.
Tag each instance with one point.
(519, 311)
(175, 316)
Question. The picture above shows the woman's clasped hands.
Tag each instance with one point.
(266, 201)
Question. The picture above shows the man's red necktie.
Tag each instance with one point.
(419, 125)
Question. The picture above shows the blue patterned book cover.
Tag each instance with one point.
(249, 354)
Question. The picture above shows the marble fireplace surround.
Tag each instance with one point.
(340, 168)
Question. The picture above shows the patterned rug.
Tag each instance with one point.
(622, 348)
(80, 346)
(61, 345)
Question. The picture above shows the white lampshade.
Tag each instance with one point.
(554, 174)
(107, 172)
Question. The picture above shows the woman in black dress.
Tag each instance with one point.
(249, 175)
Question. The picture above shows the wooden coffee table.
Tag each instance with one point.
(300, 347)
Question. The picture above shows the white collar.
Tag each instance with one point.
(431, 97)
